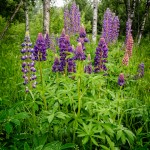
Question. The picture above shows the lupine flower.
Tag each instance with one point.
(107, 26)
(79, 53)
(47, 41)
(62, 39)
(67, 21)
(82, 37)
(40, 48)
(121, 80)
(88, 68)
(65, 50)
(28, 62)
(71, 65)
(56, 66)
(125, 60)
(100, 56)
(115, 28)
(128, 29)
(74, 18)
(141, 70)
(129, 45)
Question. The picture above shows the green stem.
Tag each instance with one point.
(43, 97)
(79, 96)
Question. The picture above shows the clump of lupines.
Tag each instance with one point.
(88, 68)
(82, 36)
(121, 80)
(129, 45)
(72, 19)
(28, 62)
(100, 56)
(141, 70)
(79, 53)
(125, 60)
(111, 25)
(40, 48)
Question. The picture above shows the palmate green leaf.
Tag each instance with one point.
(8, 128)
(130, 136)
(22, 115)
(94, 141)
(26, 146)
(119, 134)
(111, 144)
(61, 115)
(15, 121)
(104, 147)
(68, 146)
(108, 129)
(85, 140)
(123, 138)
(50, 118)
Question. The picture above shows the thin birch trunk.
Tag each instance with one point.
(12, 17)
(129, 9)
(94, 32)
(133, 11)
(144, 20)
(26, 16)
(46, 16)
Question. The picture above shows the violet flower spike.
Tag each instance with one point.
(79, 53)
(40, 48)
(121, 80)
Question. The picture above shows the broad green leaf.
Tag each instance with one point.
(94, 141)
(8, 128)
(130, 136)
(50, 118)
(22, 115)
(15, 121)
(123, 138)
(26, 146)
(104, 147)
(119, 133)
(68, 145)
(111, 144)
(85, 140)
(108, 129)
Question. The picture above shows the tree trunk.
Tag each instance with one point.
(129, 9)
(12, 17)
(26, 16)
(133, 11)
(94, 32)
(46, 16)
(144, 20)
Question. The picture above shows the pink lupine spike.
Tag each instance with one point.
(125, 60)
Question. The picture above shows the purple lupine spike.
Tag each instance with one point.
(100, 56)
(65, 49)
(128, 30)
(121, 80)
(79, 53)
(27, 69)
(107, 26)
(88, 68)
(71, 65)
(141, 70)
(115, 28)
(56, 65)
(47, 41)
(82, 37)
(40, 48)
(67, 21)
